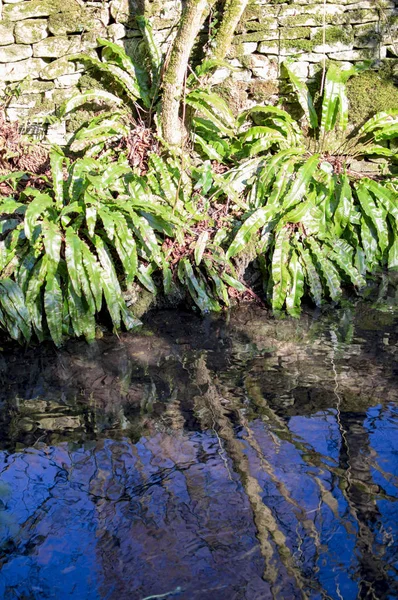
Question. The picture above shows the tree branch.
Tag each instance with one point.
(174, 73)
(233, 12)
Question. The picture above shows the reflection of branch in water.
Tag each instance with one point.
(166, 595)
(356, 483)
(281, 487)
(358, 489)
(172, 416)
(264, 520)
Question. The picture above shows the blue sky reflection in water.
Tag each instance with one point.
(234, 457)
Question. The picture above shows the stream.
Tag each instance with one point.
(224, 457)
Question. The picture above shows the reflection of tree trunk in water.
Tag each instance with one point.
(355, 459)
(209, 398)
(354, 476)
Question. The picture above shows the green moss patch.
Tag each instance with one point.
(369, 93)
(333, 35)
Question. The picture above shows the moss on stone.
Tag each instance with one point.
(334, 34)
(262, 91)
(44, 107)
(37, 8)
(252, 11)
(295, 32)
(369, 93)
(234, 93)
(88, 82)
(77, 119)
(72, 21)
(263, 25)
(256, 36)
(301, 20)
(300, 45)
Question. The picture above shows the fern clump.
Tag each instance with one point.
(319, 223)
(69, 249)
(121, 208)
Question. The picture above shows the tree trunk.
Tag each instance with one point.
(173, 78)
(233, 12)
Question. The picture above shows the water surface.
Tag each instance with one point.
(225, 458)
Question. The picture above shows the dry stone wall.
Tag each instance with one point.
(37, 36)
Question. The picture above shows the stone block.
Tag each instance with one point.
(16, 114)
(58, 68)
(360, 5)
(78, 20)
(169, 9)
(263, 67)
(269, 48)
(300, 20)
(241, 75)
(6, 35)
(263, 25)
(31, 31)
(73, 21)
(392, 50)
(56, 134)
(160, 23)
(333, 47)
(12, 72)
(24, 101)
(35, 86)
(161, 37)
(371, 40)
(14, 53)
(57, 46)
(362, 16)
(31, 9)
(300, 69)
(66, 81)
(311, 57)
(330, 10)
(313, 69)
(89, 40)
(122, 10)
(333, 35)
(219, 75)
(256, 36)
(61, 94)
(369, 35)
(116, 31)
(248, 48)
(99, 12)
(355, 55)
